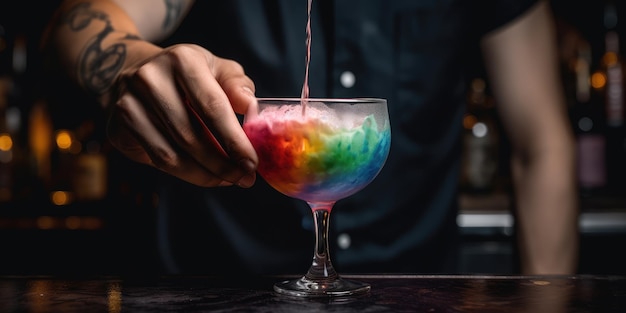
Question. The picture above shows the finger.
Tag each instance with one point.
(239, 88)
(213, 108)
(148, 145)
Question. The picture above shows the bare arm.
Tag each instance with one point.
(522, 62)
(91, 39)
(155, 20)
(173, 108)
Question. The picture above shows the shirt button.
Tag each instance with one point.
(344, 241)
(347, 79)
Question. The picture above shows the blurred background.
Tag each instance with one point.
(68, 200)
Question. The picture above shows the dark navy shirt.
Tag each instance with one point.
(412, 53)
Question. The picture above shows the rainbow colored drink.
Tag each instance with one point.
(322, 152)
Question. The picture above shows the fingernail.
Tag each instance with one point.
(247, 181)
(225, 183)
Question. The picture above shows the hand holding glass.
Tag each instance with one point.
(319, 151)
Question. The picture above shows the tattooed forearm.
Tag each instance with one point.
(97, 67)
(173, 9)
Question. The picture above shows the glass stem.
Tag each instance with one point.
(321, 269)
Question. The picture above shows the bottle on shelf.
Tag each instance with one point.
(89, 181)
(62, 159)
(13, 160)
(40, 145)
(480, 160)
(613, 68)
(589, 127)
(79, 167)
(6, 145)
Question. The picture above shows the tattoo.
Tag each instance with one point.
(173, 9)
(97, 67)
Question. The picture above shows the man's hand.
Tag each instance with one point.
(177, 112)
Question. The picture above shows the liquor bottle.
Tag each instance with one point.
(6, 145)
(614, 97)
(589, 128)
(90, 168)
(12, 153)
(63, 157)
(79, 166)
(40, 144)
(480, 160)
(6, 140)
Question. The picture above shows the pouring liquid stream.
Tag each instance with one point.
(305, 85)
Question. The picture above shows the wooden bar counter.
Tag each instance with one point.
(389, 293)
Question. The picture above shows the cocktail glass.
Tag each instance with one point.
(319, 151)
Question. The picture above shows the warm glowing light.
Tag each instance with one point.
(469, 120)
(60, 197)
(609, 58)
(38, 295)
(114, 296)
(64, 140)
(73, 222)
(45, 222)
(6, 143)
(91, 223)
(40, 139)
(598, 80)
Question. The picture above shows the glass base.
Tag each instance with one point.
(304, 287)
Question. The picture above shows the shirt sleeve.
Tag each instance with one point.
(496, 13)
